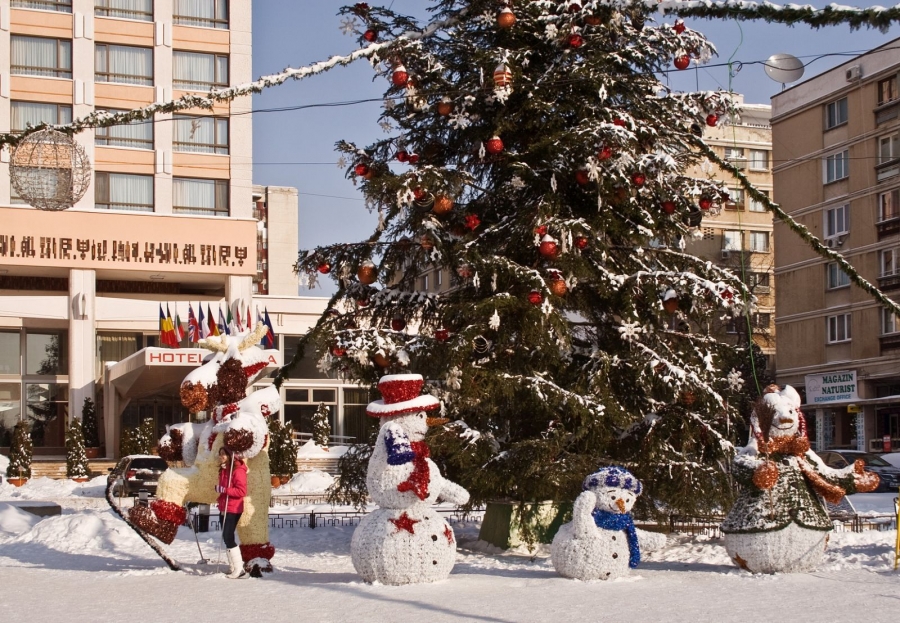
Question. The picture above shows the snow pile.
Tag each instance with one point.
(15, 521)
(315, 481)
(310, 450)
(49, 489)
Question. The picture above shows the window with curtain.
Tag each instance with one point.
(123, 63)
(731, 240)
(756, 205)
(138, 134)
(113, 347)
(125, 9)
(204, 13)
(40, 56)
(123, 191)
(62, 6)
(207, 135)
(198, 196)
(23, 114)
(759, 159)
(195, 70)
(759, 241)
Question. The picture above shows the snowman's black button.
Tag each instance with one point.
(614, 538)
(615, 555)
(434, 537)
(434, 562)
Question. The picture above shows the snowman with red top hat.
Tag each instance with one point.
(405, 541)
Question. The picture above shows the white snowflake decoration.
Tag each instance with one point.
(348, 25)
(629, 330)
(495, 321)
(735, 380)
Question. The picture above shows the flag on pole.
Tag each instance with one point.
(269, 339)
(162, 326)
(230, 323)
(170, 329)
(213, 327)
(204, 328)
(193, 326)
(223, 326)
(249, 321)
(237, 317)
(179, 330)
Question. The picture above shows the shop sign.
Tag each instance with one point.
(191, 356)
(831, 387)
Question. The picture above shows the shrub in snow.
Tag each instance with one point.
(778, 523)
(138, 440)
(405, 541)
(76, 461)
(20, 451)
(282, 449)
(321, 426)
(89, 424)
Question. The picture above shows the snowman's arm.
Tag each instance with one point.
(452, 492)
(582, 519)
(845, 477)
(650, 541)
(399, 450)
(743, 468)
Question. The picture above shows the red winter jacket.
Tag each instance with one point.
(234, 491)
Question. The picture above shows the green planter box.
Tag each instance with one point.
(503, 521)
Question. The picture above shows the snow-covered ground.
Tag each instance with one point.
(87, 563)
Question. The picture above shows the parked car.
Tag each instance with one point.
(893, 458)
(889, 475)
(136, 473)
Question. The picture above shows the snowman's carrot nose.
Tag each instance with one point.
(436, 421)
(621, 504)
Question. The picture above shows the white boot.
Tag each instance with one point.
(236, 563)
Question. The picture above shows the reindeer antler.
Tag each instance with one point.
(217, 346)
(253, 338)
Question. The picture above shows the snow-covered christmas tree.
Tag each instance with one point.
(76, 462)
(535, 156)
(138, 440)
(20, 452)
(89, 424)
(321, 426)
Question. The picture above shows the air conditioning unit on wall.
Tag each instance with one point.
(834, 243)
(854, 73)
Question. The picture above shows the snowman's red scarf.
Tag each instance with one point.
(798, 446)
(420, 477)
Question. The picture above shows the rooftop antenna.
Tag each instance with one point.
(784, 68)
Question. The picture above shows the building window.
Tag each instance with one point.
(39, 56)
(301, 404)
(63, 6)
(196, 196)
(439, 277)
(24, 114)
(125, 9)
(137, 134)
(887, 90)
(735, 199)
(758, 206)
(425, 282)
(758, 282)
(735, 155)
(889, 205)
(837, 166)
(204, 13)
(731, 239)
(761, 321)
(759, 160)
(125, 64)
(836, 113)
(888, 148)
(207, 135)
(837, 221)
(193, 70)
(838, 328)
(889, 322)
(837, 278)
(759, 241)
(124, 191)
(889, 264)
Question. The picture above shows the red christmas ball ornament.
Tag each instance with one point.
(361, 169)
(679, 26)
(638, 179)
(398, 323)
(337, 351)
(402, 156)
(494, 145)
(367, 273)
(548, 247)
(400, 77)
(619, 122)
(575, 40)
(442, 334)
(472, 222)
(506, 18)
(324, 268)
(370, 35)
(419, 193)
(712, 119)
(413, 158)
(535, 297)
(581, 176)
(445, 108)
(605, 153)
(705, 203)
(668, 207)
(581, 242)
(682, 62)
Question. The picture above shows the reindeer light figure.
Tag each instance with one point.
(236, 421)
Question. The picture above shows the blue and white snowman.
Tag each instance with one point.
(601, 542)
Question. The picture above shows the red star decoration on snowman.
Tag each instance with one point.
(405, 522)
(449, 534)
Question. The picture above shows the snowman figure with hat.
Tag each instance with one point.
(778, 523)
(601, 542)
(405, 541)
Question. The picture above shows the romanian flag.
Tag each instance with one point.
(179, 330)
(213, 328)
(204, 329)
(167, 336)
(193, 326)
(269, 339)
(222, 323)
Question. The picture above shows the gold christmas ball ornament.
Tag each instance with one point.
(445, 108)
(49, 170)
(506, 18)
(558, 287)
(442, 204)
(367, 273)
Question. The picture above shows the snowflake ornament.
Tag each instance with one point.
(495, 321)
(629, 330)
(348, 25)
(735, 380)
(454, 378)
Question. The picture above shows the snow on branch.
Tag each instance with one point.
(540, 385)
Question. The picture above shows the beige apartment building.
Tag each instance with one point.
(171, 218)
(837, 172)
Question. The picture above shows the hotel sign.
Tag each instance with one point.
(832, 387)
(87, 239)
(193, 357)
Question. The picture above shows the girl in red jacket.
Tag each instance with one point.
(232, 488)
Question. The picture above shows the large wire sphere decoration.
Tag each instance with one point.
(50, 170)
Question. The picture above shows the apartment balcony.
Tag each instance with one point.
(887, 283)
(888, 226)
(887, 111)
(890, 341)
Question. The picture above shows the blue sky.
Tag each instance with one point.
(301, 32)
